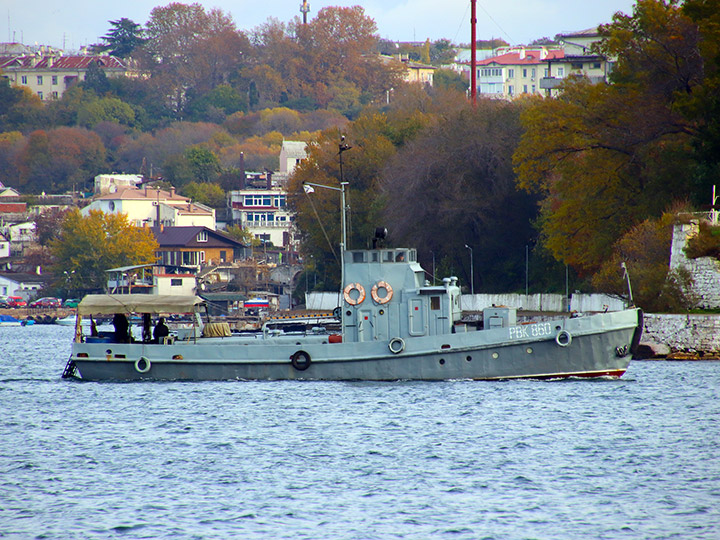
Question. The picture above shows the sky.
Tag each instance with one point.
(71, 24)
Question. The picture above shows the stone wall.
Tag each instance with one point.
(683, 332)
(704, 270)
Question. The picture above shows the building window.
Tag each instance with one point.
(524, 88)
(256, 218)
(223, 255)
(55, 95)
(202, 236)
(561, 72)
(176, 282)
(258, 200)
(23, 79)
(596, 65)
(525, 73)
(511, 90)
(54, 80)
(40, 95)
(40, 79)
(546, 73)
(511, 73)
(532, 73)
(576, 65)
(533, 88)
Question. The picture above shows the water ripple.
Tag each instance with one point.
(631, 458)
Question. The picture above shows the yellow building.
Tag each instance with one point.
(49, 76)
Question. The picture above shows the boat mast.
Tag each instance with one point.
(343, 225)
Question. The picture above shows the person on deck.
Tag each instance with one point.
(161, 330)
(122, 327)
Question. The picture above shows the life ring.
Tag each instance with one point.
(388, 292)
(300, 360)
(396, 345)
(142, 365)
(361, 294)
(563, 338)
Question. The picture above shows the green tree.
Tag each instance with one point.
(241, 235)
(89, 245)
(451, 80)
(95, 79)
(105, 110)
(208, 194)
(122, 39)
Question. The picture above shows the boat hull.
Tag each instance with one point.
(593, 346)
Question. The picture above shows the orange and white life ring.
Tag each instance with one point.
(388, 292)
(354, 287)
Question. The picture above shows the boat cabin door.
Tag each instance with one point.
(366, 325)
(417, 317)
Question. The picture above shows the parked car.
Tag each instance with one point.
(47, 302)
(71, 302)
(16, 302)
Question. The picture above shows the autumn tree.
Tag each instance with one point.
(89, 245)
(48, 225)
(190, 50)
(606, 157)
(644, 251)
(60, 159)
(318, 214)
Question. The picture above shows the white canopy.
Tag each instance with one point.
(104, 304)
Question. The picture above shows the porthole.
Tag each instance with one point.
(442, 361)
(495, 355)
(529, 350)
(468, 358)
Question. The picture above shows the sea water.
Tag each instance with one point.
(637, 457)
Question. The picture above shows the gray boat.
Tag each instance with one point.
(393, 325)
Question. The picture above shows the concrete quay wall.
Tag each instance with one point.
(689, 333)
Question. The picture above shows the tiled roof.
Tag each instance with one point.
(513, 58)
(183, 236)
(60, 62)
(131, 193)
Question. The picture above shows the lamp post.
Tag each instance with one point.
(68, 277)
(472, 276)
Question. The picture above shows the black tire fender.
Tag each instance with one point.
(300, 360)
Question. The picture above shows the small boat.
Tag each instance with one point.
(393, 326)
(70, 320)
(9, 320)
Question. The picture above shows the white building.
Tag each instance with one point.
(264, 213)
(261, 206)
(151, 206)
(111, 183)
(578, 60)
